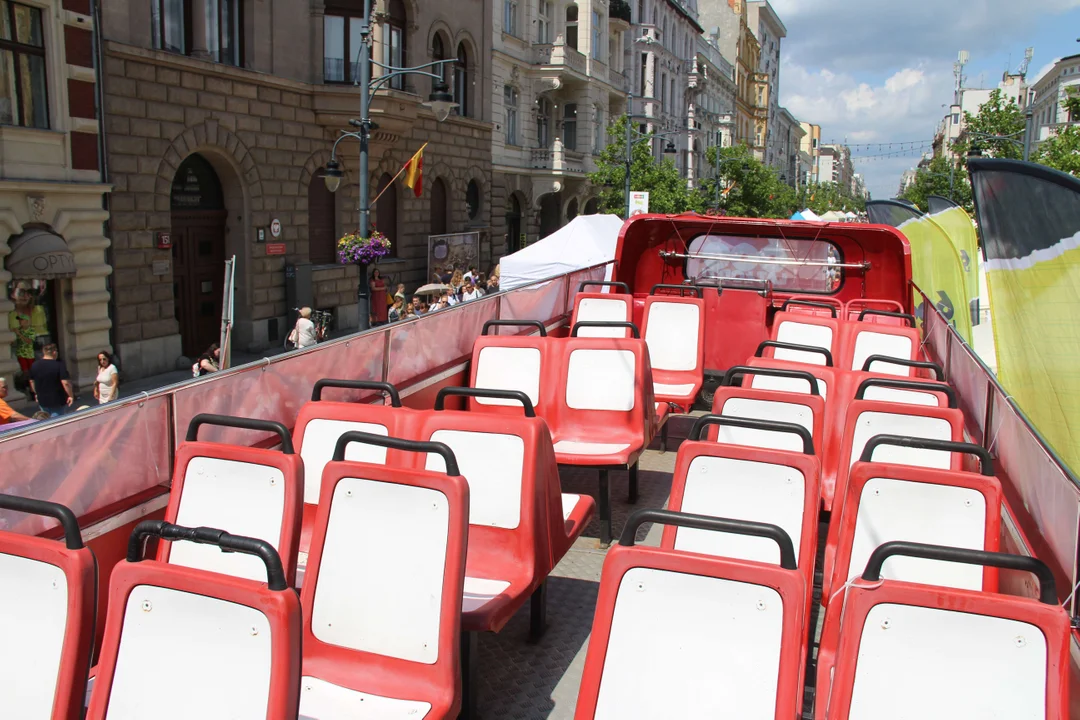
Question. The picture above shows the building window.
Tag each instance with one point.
(644, 66)
(663, 93)
(510, 17)
(569, 129)
(597, 36)
(23, 93)
(438, 207)
(543, 22)
(472, 199)
(394, 40)
(341, 47)
(641, 12)
(543, 123)
(598, 131)
(461, 81)
(438, 52)
(571, 25)
(510, 100)
(322, 225)
(173, 27)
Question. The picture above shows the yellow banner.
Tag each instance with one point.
(937, 269)
(957, 225)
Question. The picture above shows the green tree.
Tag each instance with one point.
(823, 197)
(998, 117)
(935, 180)
(747, 187)
(1061, 150)
(668, 192)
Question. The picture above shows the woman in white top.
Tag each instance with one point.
(305, 329)
(107, 383)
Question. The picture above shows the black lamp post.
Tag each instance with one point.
(441, 102)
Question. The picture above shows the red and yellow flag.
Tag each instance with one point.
(414, 172)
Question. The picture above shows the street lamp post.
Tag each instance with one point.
(441, 103)
(631, 141)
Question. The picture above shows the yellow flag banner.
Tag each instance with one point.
(936, 267)
(957, 225)
(1029, 219)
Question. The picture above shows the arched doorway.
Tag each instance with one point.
(549, 214)
(592, 206)
(513, 225)
(571, 210)
(438, 207)
(198, 249)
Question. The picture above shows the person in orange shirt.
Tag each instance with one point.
(7, 414)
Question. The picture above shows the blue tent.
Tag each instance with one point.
(798, 216)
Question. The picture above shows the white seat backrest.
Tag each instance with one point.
(493, 464)
(221, 651)
(716, 653)
(600, 380)
(244, 498)
(742, 490)
(320, 438)
(784, 384)
(602, 310)
(509, 368)
(891, 509)
(380, 581)
(765, 410)
(672, 335)
(907, 397)
(803, 334)
(33, 617)
(945, 664)
(870, 424)
(868, 342)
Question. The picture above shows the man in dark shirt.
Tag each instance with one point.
(51, 383)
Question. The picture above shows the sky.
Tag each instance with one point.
(878, 71)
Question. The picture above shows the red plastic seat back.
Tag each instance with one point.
(521, 363)
(909, 650)
(181, 642)
(603, 307)
(827, 378)
(805, 410)
(808, 322)
(674, 330)
(861, 340)
(745, 483)
(248, 491)
(888, 502)
(47, 612)
(853, 309)
(382, 593)
(683, 635)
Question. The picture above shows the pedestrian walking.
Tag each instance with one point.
(107, 382)
(51, 382)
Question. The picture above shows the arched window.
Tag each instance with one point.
(438, 207)
(394, 50)
(472, 199)
(571, 210)
(571, 25)
(461, 81)
(438, 52)
(322, 225)
(386, 213)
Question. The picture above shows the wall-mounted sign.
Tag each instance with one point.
(164, 241)
(260, 235)
(160, 267)
(275, 228)
(275, 248)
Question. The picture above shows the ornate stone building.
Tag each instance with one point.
(54, 265)
(219, 127)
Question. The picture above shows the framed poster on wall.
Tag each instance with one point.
(458, 250)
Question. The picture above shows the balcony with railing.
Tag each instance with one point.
(559, 56)
(557, 159)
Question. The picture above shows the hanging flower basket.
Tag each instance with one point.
(355, 250)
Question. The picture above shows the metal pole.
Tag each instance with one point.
(1027, 133)
(629, 153)
(364, 81)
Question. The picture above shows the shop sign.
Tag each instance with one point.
(275, 248)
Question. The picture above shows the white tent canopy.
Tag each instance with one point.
(585, 241)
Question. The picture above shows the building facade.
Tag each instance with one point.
(558, 79)
(219, 127)
(1048, 98)
(727, 21)
(787, 136)
(770, 31)
(835, 166)
(54, 255)
(712, 106)
(810, 147)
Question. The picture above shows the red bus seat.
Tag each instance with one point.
(861, 340)
(603, 307)
(517, 528)
(890, 388)
(382, 597)
(827, 378)
(674, 330)
(802, 354)
(911, 651)
(805, 410)
(510, 362)
(684, 635)
(602, 409)
(853, 310)
(48, 608)
(252, 492)
(798, 327)
(187, 643)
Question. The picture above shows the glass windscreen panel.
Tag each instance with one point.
(790, 264)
